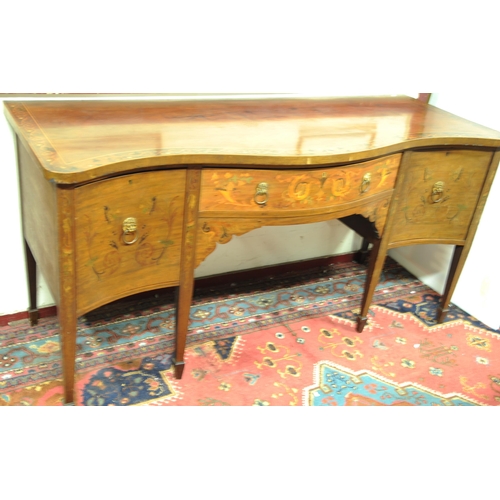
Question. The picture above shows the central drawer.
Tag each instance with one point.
(262, 192)
(128, 235)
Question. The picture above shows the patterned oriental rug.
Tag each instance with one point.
(287, 341)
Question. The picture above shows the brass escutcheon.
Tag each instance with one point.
(261, 191)
(129, 227)
(437, 191)
(365, 183)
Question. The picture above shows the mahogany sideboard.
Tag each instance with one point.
(120, 197)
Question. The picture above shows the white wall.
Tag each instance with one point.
(267, 246)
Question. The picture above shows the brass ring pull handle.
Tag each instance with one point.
(365, 183)
(437, 192)
(129, 231)
(261, 196)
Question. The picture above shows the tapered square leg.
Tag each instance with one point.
(456, 265)
(66, 306)
(363, 254)
(441, 314)
(179, 369)
(67, 333)
(376, 263)
(184, 292)
(362, 320)
(31, 273)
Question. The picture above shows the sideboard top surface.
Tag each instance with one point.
(76, 141)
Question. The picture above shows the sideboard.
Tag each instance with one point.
(120, 197)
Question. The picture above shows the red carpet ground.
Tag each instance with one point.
(288, 340)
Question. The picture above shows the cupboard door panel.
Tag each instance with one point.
(439, 194)
(129, 234)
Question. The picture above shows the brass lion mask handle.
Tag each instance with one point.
(437, 192)
(129, 228)
(261, 196)
(365, 183)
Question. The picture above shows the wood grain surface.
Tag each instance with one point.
(77, 141)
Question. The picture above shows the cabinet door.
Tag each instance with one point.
(438, 195)
(128, 235)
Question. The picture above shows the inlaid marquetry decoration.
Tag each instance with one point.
(213, 231)
(221, 230)
(129, 233)
(264, 191)
(439, 194)
(38, 140)
(376, 212)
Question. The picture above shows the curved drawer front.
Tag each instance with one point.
(273, 192)
(439, 194)
(128, 235)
